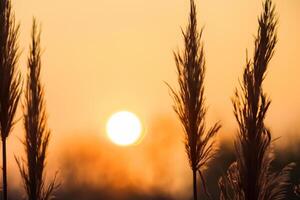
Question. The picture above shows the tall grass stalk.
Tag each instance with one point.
(190, 101)
(10, 79)
(251, 177)
(37, 134)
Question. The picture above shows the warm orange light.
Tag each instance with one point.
(124, 128)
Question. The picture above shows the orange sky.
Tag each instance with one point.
(102, 56)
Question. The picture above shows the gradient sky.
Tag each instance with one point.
(101, 56)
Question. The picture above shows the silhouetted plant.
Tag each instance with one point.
(10, 78)
(37, 133)
(189, 100)
(250, 177)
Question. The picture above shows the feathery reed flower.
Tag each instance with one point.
(250, 177)
(190, 100)
(10, 78)
(37, 133)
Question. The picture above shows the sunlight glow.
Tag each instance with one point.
(124, 128)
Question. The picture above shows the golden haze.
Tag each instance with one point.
(105, 56)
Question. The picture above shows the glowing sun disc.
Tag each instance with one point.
(124, 128)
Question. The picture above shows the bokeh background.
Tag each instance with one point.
(102, 56)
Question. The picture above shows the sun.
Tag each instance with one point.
(124, 128)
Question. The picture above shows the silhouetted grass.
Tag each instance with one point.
(37, 133)
(10, 78)
(251, 177)
(190, 100)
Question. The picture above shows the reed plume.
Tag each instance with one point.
(189, 101)
(37, 134)
(10, 79)
(251, 177)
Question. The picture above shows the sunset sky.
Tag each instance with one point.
(102, 56)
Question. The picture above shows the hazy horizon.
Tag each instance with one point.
(102, 56)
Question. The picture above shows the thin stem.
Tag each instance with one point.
(195, 184)
(4, 169)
